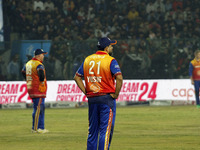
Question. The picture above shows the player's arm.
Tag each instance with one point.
(190, 72)
(40, 70)
(119, 82)
(115, 69)
(78, 79)
(24, 72)
(79, 82)
(192, 81)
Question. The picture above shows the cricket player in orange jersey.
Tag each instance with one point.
(100, 71)
(34, 73)
(194, 73)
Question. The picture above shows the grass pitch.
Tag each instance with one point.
(136, 128)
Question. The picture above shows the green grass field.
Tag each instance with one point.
(136, 128)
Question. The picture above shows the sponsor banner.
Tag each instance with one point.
(13, 92)
(132, 90)
(180, 89)
(14, 106)
(62, 105)
(143, 90)
(64, 91)
(161, 103)
(180, 103)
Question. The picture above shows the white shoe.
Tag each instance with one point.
(42, 131)
(33, 131)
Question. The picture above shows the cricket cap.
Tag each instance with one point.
(104, 42)
(39, 51)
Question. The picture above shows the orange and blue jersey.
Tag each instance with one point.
(99, 75)
(36, 88)
(194, 69)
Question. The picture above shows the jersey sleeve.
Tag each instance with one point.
(40, 67)
(114, 67)
(190, 69)
(40, 70)
(80, 71)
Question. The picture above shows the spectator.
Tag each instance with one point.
(50, 66)
(29, 5)
(58, 72)
(99, 4)
(145, 63)
(68, 68)
(132, 14)
(152, 35)
(150, 7)
(187, 13)
(49, 4)
(130, 63)
(104, 32)
(181, 68)
(68, 7)
(40, 32)
(177, 4)
(13, 68)
(90, 12)
(81, 14)
(38, 3)
(124, 47)
(154, 26)
(158, 4)
(168, 5)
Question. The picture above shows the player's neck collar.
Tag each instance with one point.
(36, 59)
(101, 52)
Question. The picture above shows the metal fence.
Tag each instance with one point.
(138, 58)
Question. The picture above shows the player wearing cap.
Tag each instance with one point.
(100, 71)
(34, 73)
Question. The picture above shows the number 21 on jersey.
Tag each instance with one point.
(93, 64)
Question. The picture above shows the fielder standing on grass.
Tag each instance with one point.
(194, 73)
(34, 73)
(100, 71)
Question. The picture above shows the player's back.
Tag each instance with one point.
(97, 73)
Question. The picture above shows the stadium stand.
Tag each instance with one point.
(156, 38)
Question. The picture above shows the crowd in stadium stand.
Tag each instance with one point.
(147, 31)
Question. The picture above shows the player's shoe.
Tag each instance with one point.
(42, 131)
(33, 131)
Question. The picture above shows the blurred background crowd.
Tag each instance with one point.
(156, 38)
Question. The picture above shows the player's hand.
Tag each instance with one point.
(42, 87)
(192, 82)
(115, 96)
